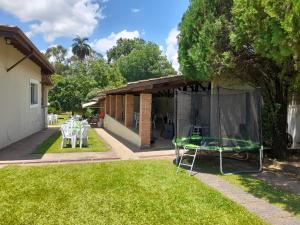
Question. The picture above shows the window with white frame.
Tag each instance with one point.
(33, 92)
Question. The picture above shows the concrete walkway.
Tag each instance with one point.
(119, 148)
(126, 153)
(268, 212)
(21, 150)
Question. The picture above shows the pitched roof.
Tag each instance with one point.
(155, 84)
(16, 37)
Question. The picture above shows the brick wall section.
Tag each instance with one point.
(129, 107)
(107, 104)
(113, 106)
(145, 120)
(119, 107)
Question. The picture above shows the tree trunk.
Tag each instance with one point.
(279, 144)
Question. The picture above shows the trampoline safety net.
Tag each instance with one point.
(223, 117)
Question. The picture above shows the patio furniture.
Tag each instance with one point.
(55, 118)
(169, 118)
(136, 119)
(83, 135)
(67, 135)
(94, 120)
(50, 119)
(73, 130)
(154, 121)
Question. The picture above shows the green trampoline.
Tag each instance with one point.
(195, 143)
(217, 120)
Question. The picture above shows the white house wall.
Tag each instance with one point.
(17, 118)
(120, 130)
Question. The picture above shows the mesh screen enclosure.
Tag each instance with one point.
(225, 118)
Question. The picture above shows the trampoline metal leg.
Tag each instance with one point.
(249, 171)
(177, 152)
(180, 161)
(261, 158)
(191, 170)
(221, 162)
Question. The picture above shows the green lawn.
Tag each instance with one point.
(287, 200)
(52, 145)
(124, 192)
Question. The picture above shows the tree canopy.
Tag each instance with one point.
(144, 62)
(80, 48)
(255, 41)
(123, 48)
(57, 56)
(68, 94)
(203, 39)
(92, 76)
(86, 73)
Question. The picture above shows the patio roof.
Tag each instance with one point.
(89, 104)
(14, 36)
(158, 84)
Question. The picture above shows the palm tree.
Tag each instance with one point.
(80, 48)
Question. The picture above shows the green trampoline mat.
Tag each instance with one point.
(212, 144)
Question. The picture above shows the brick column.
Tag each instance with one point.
(112, 106)
(129, 108)
(145, 120)
(119, 107)
(107, 104)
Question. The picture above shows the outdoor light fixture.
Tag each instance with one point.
(8, 41)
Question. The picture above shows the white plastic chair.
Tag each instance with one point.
(67, 136)
(55, 118)
(154, 121)
(84, 122)
(50, 119)
(169, 118)
(83, 136)
(136, 119)
(197, 130)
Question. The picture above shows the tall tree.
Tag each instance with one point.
(80, 48)
(270, 29)
(70, 92)
(58, 53)
(123, 47)
(104, 74)
(57, 56)
(144, 62)
(256, 41)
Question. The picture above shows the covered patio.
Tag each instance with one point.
(142, 112)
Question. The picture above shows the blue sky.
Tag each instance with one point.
(54, 22)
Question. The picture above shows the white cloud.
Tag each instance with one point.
(161, 48)
(56, 18)
(104, 44)
(135, 10)
(69, 53)
(172, 48)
